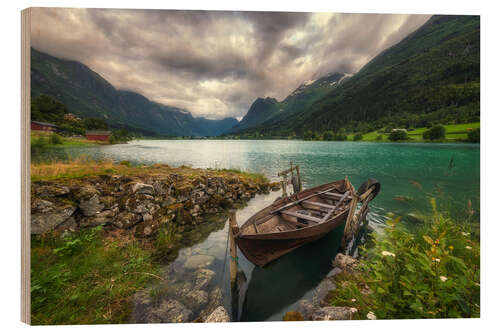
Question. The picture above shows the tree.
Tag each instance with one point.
(329, 136)
(398, 135)
(95, 124)
(436, 132)
(47, 108)
(474, 135)
(358, 137)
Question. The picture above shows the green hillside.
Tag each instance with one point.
(431, 76)
(86, 94)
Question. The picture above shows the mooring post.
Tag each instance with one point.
(298, 177)
(349, 222)
(233, 255)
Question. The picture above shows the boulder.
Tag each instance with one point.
(323, 289)
(50, 190)
(198, 261)
(219, 315)
(333, 313)
(346, 263)
(49, 217)
(103, 217)
(306, 308)
(141, 188)
(91, 206)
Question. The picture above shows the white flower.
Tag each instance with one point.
(443, 278)
(468, 247)
(437, 260)
(466, 233)
(353, 300)
(371, 316)
(387, 253)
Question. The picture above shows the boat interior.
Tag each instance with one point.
(315, 208)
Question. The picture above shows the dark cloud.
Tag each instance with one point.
(215, 63)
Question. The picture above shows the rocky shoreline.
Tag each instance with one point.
(139, 203)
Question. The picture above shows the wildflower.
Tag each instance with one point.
(451, 247)
(443, 278)
(353, 300)
(465, 233)
(436, 259)
(370, 315)
(468, 247)
(387, 253)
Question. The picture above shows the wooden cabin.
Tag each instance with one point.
(41, 126)
(98, 135)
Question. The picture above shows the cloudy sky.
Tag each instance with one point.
(215, 63)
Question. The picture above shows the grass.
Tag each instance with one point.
(66, 141)
(457, 132)
(87, 278)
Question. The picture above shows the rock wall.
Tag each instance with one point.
(139, 203)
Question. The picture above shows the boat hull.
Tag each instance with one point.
(262, 249)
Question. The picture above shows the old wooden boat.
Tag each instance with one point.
(298, 219)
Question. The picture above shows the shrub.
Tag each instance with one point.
(55, 139)
(398, 135)
(358, 137)
(436, 132)
(126, 163)
(474, 135)
(432, 273)
(329, 136)
(379, 138)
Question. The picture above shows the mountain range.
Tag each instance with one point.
(431, 76)
(87, 94)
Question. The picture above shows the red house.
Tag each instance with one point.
(98, 135)
(41, 126)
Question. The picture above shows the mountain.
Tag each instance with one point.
(431, 76)
(269, 110)
(86, 94)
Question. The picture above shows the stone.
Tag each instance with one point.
(51, 218)
(202, 278)
(41, 206)
(142, 188)
(306, 308)
(198, 261)
(168, 311)
(323, 289)
(333, 313)
(103, 217)
(146, 217)
(126, 220)
(219, 315)
(68, 226)
(334, 271)
(196, 299)
(51, 190)
(91, 206)
(346, 263)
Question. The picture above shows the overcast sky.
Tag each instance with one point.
(215, 64)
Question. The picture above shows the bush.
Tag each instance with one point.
(436, 132)
(358, 137)
(328, 136)
(55, 139)
(379, 138)
(398, 135)
(126, 163)
(474, 135)
(432, 273)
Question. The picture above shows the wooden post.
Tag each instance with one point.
(298, 177)
(350, 218)
(233, 255)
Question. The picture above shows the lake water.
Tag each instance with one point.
(410, 174)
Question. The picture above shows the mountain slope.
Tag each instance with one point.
(430, 76)
(86, 94)
(269, 110)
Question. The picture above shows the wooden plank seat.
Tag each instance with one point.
(319, 204)
(302, 216)
(331, 195)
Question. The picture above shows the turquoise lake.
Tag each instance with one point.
(410, 175)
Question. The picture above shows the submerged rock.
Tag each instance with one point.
(196, 299)
(198, 261)
(202, 278)
(219, 315)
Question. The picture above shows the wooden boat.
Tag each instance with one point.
(296, 220)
